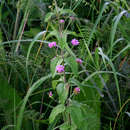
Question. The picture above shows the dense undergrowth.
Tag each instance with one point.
(64, 65)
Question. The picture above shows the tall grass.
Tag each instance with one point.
(28, 65)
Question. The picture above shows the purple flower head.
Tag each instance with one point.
(62, 21)
(60, 68)
(76, 90)
(50, 94)
(78, 60)
(52, 44)
(75, 42)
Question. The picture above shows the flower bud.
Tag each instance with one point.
(76, 90)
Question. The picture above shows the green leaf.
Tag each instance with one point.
(54, 83)
(9, 99)
(48, 16)
(54, 62)
(65, 126)
(76, 115)
(6, 89)
(83, 116)
(1, 38)
(114, 28)
(62, 41)
(67, 11)
(97, 58)
(53, 33)
(71, 61)
(62, 93)
(29, 92)
(60, 89)
(7, 127)
(55, 112)
(32, 32)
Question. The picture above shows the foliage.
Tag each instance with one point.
(34, 94)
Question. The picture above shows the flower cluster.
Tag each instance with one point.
(60, 68)
(50, 94)
(76, 90)
(62, 21)
(78, 60)
(52, 44)
(75, 42)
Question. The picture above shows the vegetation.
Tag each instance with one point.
(64, 65)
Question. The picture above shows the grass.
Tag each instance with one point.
(28, 65)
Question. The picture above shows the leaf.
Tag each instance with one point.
(53, 33)
(29, 92)
(54, 83)
(97, 58)
(67, 11)
(7, 127)
(55, 112)
(76, 115)
(63, 39)
(71, 33)
(9, 99)
(71, 61)
(1, 38)
(114, 28)
(83, 116)
(32, 32)
(62, 93)
(65, 126)
(69, 50)
(48, 16)
(54, 62)
(30, 47)
(128, 113)
(97, 21)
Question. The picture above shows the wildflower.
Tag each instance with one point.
(52, 44)
(62, 21)
(60, 68)
(50, 94)
(78, 60)
(76, 90)
(75, 42)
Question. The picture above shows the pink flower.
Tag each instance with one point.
(75, 42)
(78, 60)
(60, 68)
(62, 21)
(50, 94)
(76, 90)
(52, 44)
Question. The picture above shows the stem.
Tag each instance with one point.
(119, 113)
(41, 103)
(41, 43)
(16, 23)
(17, 47)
